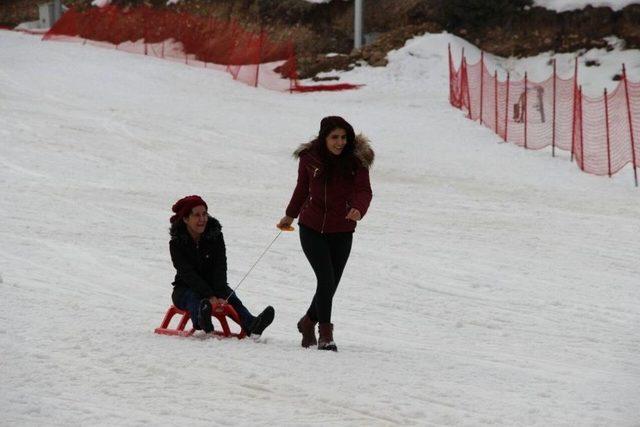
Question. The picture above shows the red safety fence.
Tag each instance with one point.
(602, 134)
(250, 57)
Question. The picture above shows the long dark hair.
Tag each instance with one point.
(177, 228)
(344, 163)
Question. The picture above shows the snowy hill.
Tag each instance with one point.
(488, 285)
(564, 5)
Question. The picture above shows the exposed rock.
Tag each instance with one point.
(628, 26)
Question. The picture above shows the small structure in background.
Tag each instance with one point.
(358, 13)
(48, 13)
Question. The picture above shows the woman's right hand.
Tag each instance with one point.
(285, 222)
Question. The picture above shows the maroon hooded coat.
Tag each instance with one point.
(322, 203)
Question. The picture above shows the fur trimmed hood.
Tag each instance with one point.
(180, 234)
(362, 150)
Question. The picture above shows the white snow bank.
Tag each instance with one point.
(565, 5)
(487, 285)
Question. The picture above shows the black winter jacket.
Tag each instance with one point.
(201, 267)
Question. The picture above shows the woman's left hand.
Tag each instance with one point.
(354, 215)
(215, 301)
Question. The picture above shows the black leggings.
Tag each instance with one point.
(328, 254)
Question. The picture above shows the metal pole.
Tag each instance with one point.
(357, 24)
(57, 11)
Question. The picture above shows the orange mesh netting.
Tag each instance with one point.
(198, 41)
(601, 133)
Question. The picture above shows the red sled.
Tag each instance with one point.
(219, 311)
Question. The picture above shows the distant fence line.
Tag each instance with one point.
(602, 134)
(195, 40)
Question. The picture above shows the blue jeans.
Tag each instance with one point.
(190, 301)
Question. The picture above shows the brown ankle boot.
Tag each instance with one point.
(307, 328)
(325, 341)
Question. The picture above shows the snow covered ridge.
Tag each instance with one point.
(103, 3)
(566, 5)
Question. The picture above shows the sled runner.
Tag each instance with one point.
(219, 311)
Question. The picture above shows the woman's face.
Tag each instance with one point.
(197, 220)
(336, 141)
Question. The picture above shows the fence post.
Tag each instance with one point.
(553, 134)
(573, 113)
(481, 83)
(581, 132)
(450, 74)
(495, 99)
(633, 145)
(259, 54)
(465, 82)
(293, 73)
(506, 109)
(606, 120)
(144, 28)
(525, 109)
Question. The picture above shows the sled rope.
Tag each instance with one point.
(254, 264)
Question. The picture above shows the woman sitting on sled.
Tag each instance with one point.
(199, 255)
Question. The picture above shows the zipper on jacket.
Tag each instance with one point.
(324, 217)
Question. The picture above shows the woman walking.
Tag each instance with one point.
(332, 194)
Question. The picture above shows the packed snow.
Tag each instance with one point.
(565, 5)
(488, 285)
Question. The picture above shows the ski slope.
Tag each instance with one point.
(488, 285)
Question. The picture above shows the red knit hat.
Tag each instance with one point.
(183, 207)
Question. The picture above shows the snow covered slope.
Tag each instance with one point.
(488, 285)
(564, 5)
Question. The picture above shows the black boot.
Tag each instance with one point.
(261, 322)
(204, 316)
